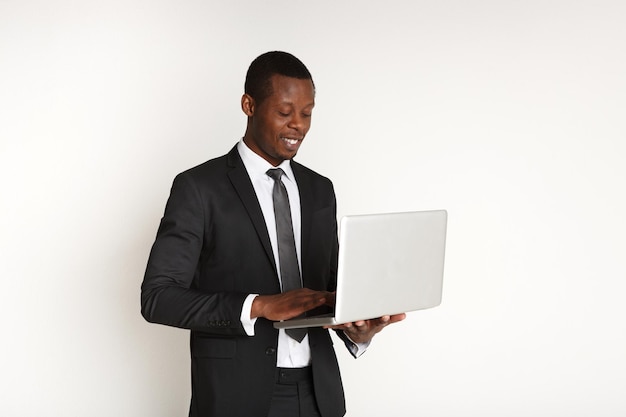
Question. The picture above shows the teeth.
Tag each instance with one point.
(291, 141)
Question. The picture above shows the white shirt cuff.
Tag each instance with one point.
(357, 349)
(246, 310)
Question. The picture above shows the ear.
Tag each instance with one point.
(247, 105)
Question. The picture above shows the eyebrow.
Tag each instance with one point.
(292, 104)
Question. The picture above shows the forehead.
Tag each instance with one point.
(291, 90)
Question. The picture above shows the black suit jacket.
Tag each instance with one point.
(212, 249)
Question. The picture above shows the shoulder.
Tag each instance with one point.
(304, 173)
(213, 168)
(206, 178)
(315, 189)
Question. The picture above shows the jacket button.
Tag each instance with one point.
(270, 351)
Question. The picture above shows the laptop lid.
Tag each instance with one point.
(388, 264)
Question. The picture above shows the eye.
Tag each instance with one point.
(284, 114)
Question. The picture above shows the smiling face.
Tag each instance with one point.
(278, 124)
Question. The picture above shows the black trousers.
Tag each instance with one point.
(294, 395)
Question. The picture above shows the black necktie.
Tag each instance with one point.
(287, 257)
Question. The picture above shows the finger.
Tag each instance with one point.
(397, 317)
(311, 302)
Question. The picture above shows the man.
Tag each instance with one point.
(217, 267)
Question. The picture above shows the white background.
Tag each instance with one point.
(509, 114)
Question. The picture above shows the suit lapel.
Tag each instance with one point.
(241, 182)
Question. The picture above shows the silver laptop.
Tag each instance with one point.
(388, 264)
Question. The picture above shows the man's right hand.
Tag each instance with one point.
(289, 304)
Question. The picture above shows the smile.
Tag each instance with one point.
(291, 141)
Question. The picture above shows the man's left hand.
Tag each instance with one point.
(363, 331)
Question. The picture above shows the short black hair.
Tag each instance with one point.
(258, 84)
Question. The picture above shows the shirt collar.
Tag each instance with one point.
(257, 166)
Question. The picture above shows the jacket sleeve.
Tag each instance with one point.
(168, 295)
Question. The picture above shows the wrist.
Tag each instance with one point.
(258, 305)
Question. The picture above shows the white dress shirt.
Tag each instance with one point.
(291, 354)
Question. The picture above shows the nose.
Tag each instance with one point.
(297, 122)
